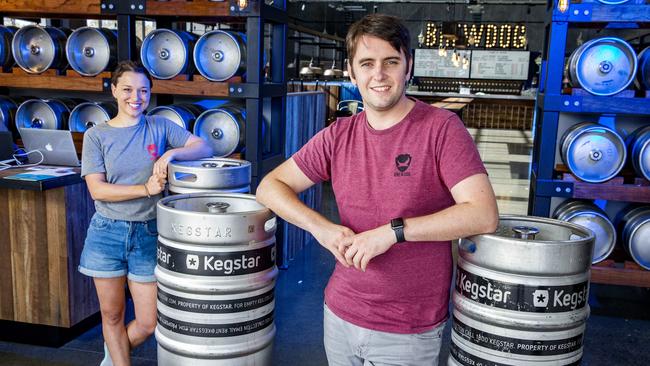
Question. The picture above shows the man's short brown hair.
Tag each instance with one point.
(382, 26)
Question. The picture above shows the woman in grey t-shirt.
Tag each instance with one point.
(124, 163)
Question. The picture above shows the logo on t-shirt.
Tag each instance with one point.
(402, 162)
(153, 152)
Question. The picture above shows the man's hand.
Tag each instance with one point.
(160, 167)
(361, 248)
(334, 238)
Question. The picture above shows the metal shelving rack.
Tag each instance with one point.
(256, 15)
(547, 179)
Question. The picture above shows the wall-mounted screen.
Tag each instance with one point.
(428, 63)
(501, 65)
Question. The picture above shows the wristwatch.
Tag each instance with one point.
(398, 227)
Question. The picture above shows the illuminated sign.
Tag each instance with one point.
(499, 36)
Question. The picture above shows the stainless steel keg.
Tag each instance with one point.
(643, 75)
(90, 114)
(223, 128)
(6, 35)
(44, 113)
(220, 55)
(216, 273)
(7, 113)
(634, 223)
(210, 174)
(166, 53)
(37, 48)
(92, 50)
(182, 114)
(592, 217)
(638, 145)
(603, 66)
(521, 294)
(594, 153)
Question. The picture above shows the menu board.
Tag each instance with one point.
(502, 65)
(427, 63)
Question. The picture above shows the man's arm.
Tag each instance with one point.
(475, 212)
(279, 192)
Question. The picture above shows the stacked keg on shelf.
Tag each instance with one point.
(521, 294)
(216, 275)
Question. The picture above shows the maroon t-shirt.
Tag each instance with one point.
(404, 171)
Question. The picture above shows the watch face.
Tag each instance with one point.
(396, 223)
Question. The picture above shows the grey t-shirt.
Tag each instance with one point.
(126, 155)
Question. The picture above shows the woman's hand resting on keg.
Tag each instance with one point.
(155, 184)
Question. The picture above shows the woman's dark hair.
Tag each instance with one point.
(384, 27)
(132, 66)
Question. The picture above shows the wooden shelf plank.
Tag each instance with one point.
(620, 276)
(50, 80)
(196, 8)
(186, 87)
(51, 7)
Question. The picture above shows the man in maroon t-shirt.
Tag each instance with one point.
(407, 179)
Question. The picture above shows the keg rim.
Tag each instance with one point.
(24, 29)
(76, 33)
(241, 163)
(576, 132)
(586, 236)
(144, 51)
(612, 40)
(163, 203)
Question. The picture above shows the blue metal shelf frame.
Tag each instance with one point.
(551, 102)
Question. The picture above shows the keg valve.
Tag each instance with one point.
(218, 56)
(37, 123)
(209, 165)
(525, 232)
(34, 49)
(605, 67)
(217, 207)
(89, 124)
(595, 155)
(89, 51)
(217, 134)
(164, 54)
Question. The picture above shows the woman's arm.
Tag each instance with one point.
(100, 190)
(195, 148)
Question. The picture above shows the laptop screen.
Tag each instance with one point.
(56, 146)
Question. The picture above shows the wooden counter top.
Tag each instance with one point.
(40, 185)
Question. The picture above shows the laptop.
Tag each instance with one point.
(6, 146)
(56, 146)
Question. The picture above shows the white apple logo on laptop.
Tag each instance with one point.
(49, 147)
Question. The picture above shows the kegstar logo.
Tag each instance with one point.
(402, 162)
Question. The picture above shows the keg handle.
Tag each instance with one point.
(525, 232)
(89, 51)
(270, 224)
(217, 134)
(37, 123)
(466, 245)
(217, 207)
(183, 177)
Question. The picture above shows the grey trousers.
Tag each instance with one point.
(349, 345)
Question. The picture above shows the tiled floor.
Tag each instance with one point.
(618, 330)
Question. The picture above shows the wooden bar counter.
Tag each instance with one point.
(43, 298)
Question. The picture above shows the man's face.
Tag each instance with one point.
(379, 71)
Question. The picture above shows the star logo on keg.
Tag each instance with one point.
(192, 261)
(540, 298)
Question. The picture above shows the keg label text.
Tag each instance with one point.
(468, 359)
(515, 345)
(197, 231)
(513, 296)
(216, 263)
(214, 330)
(215, 306)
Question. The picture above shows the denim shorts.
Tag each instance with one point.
(116, 248)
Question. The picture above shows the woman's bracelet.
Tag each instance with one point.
(146, 190)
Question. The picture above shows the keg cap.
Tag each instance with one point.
(88, 50)
(220, 128)
(218, 55)
(87, 115)
(604, 66)
(595, 153)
